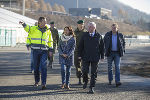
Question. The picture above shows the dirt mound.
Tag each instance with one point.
(141, 69)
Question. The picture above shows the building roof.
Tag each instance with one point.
(11, 19)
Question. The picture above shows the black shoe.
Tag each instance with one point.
(84, 85)
(43, 87)
(67, 87)
(118, 84)
(50, 65)
(109, 83)
(80, 83)
(36, 84)
(91, 91)
(32, 71)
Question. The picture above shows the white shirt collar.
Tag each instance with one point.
(92, 33)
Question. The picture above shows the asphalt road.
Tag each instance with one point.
(16, 81)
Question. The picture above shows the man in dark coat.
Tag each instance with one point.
(55, 36)
(91, 50)
(114, 50)
(78, 33)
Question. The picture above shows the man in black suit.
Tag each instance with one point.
(91, 50)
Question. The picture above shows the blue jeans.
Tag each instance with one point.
(32, 66)
(65, 74)
(114, 56)
(40, 60)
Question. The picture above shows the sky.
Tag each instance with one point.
(142, 5)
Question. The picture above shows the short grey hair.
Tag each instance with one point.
(92, 24)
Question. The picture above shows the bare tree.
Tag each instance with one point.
(36, 6)
(62, 9)
(43, 6)
(27, 4)
(32, 4)
(122, 13)
(19, 3)
(56, 7)
(49, 8)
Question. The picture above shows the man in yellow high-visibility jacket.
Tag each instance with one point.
(31, 55)
(41, 42)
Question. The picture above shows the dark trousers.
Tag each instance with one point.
(40, 60)
(51, 59)
(78, 65)
(31, 57)
(85, 71)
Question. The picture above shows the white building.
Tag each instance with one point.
(11, 32)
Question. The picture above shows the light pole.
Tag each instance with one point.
(77, 3)
(23, 8)
(10, 3)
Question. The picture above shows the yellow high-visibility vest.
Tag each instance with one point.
(35, 36)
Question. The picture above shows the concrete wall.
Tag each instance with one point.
(88, 11)
(79, 11)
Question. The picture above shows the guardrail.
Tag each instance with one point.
(137, 42)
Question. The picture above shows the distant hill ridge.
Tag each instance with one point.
(114, 5)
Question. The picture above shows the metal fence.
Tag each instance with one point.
(136, 42)
(14, 36)
(7, 37)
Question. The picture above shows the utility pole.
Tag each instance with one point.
(23, 8)
(77, 3)
(10, 3)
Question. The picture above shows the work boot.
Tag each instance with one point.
(109, 83)
(91, 90)
(43, 87)
(63, 86)
(80, 83)
(36, 84)
(67, 87)
(85, 85)
(32, 71)
(50, 64)
(118, 84)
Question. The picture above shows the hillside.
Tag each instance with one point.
(114, 5)
(102, 25)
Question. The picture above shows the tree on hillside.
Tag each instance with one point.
(19, 2)
(148, 26)
(27, 4)
(62, 9)
(143, 24)
(31, 4)
(141, 21)
(56, 7)
(43, 6)
(49, 8)
(122, 13)
(36, 6)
